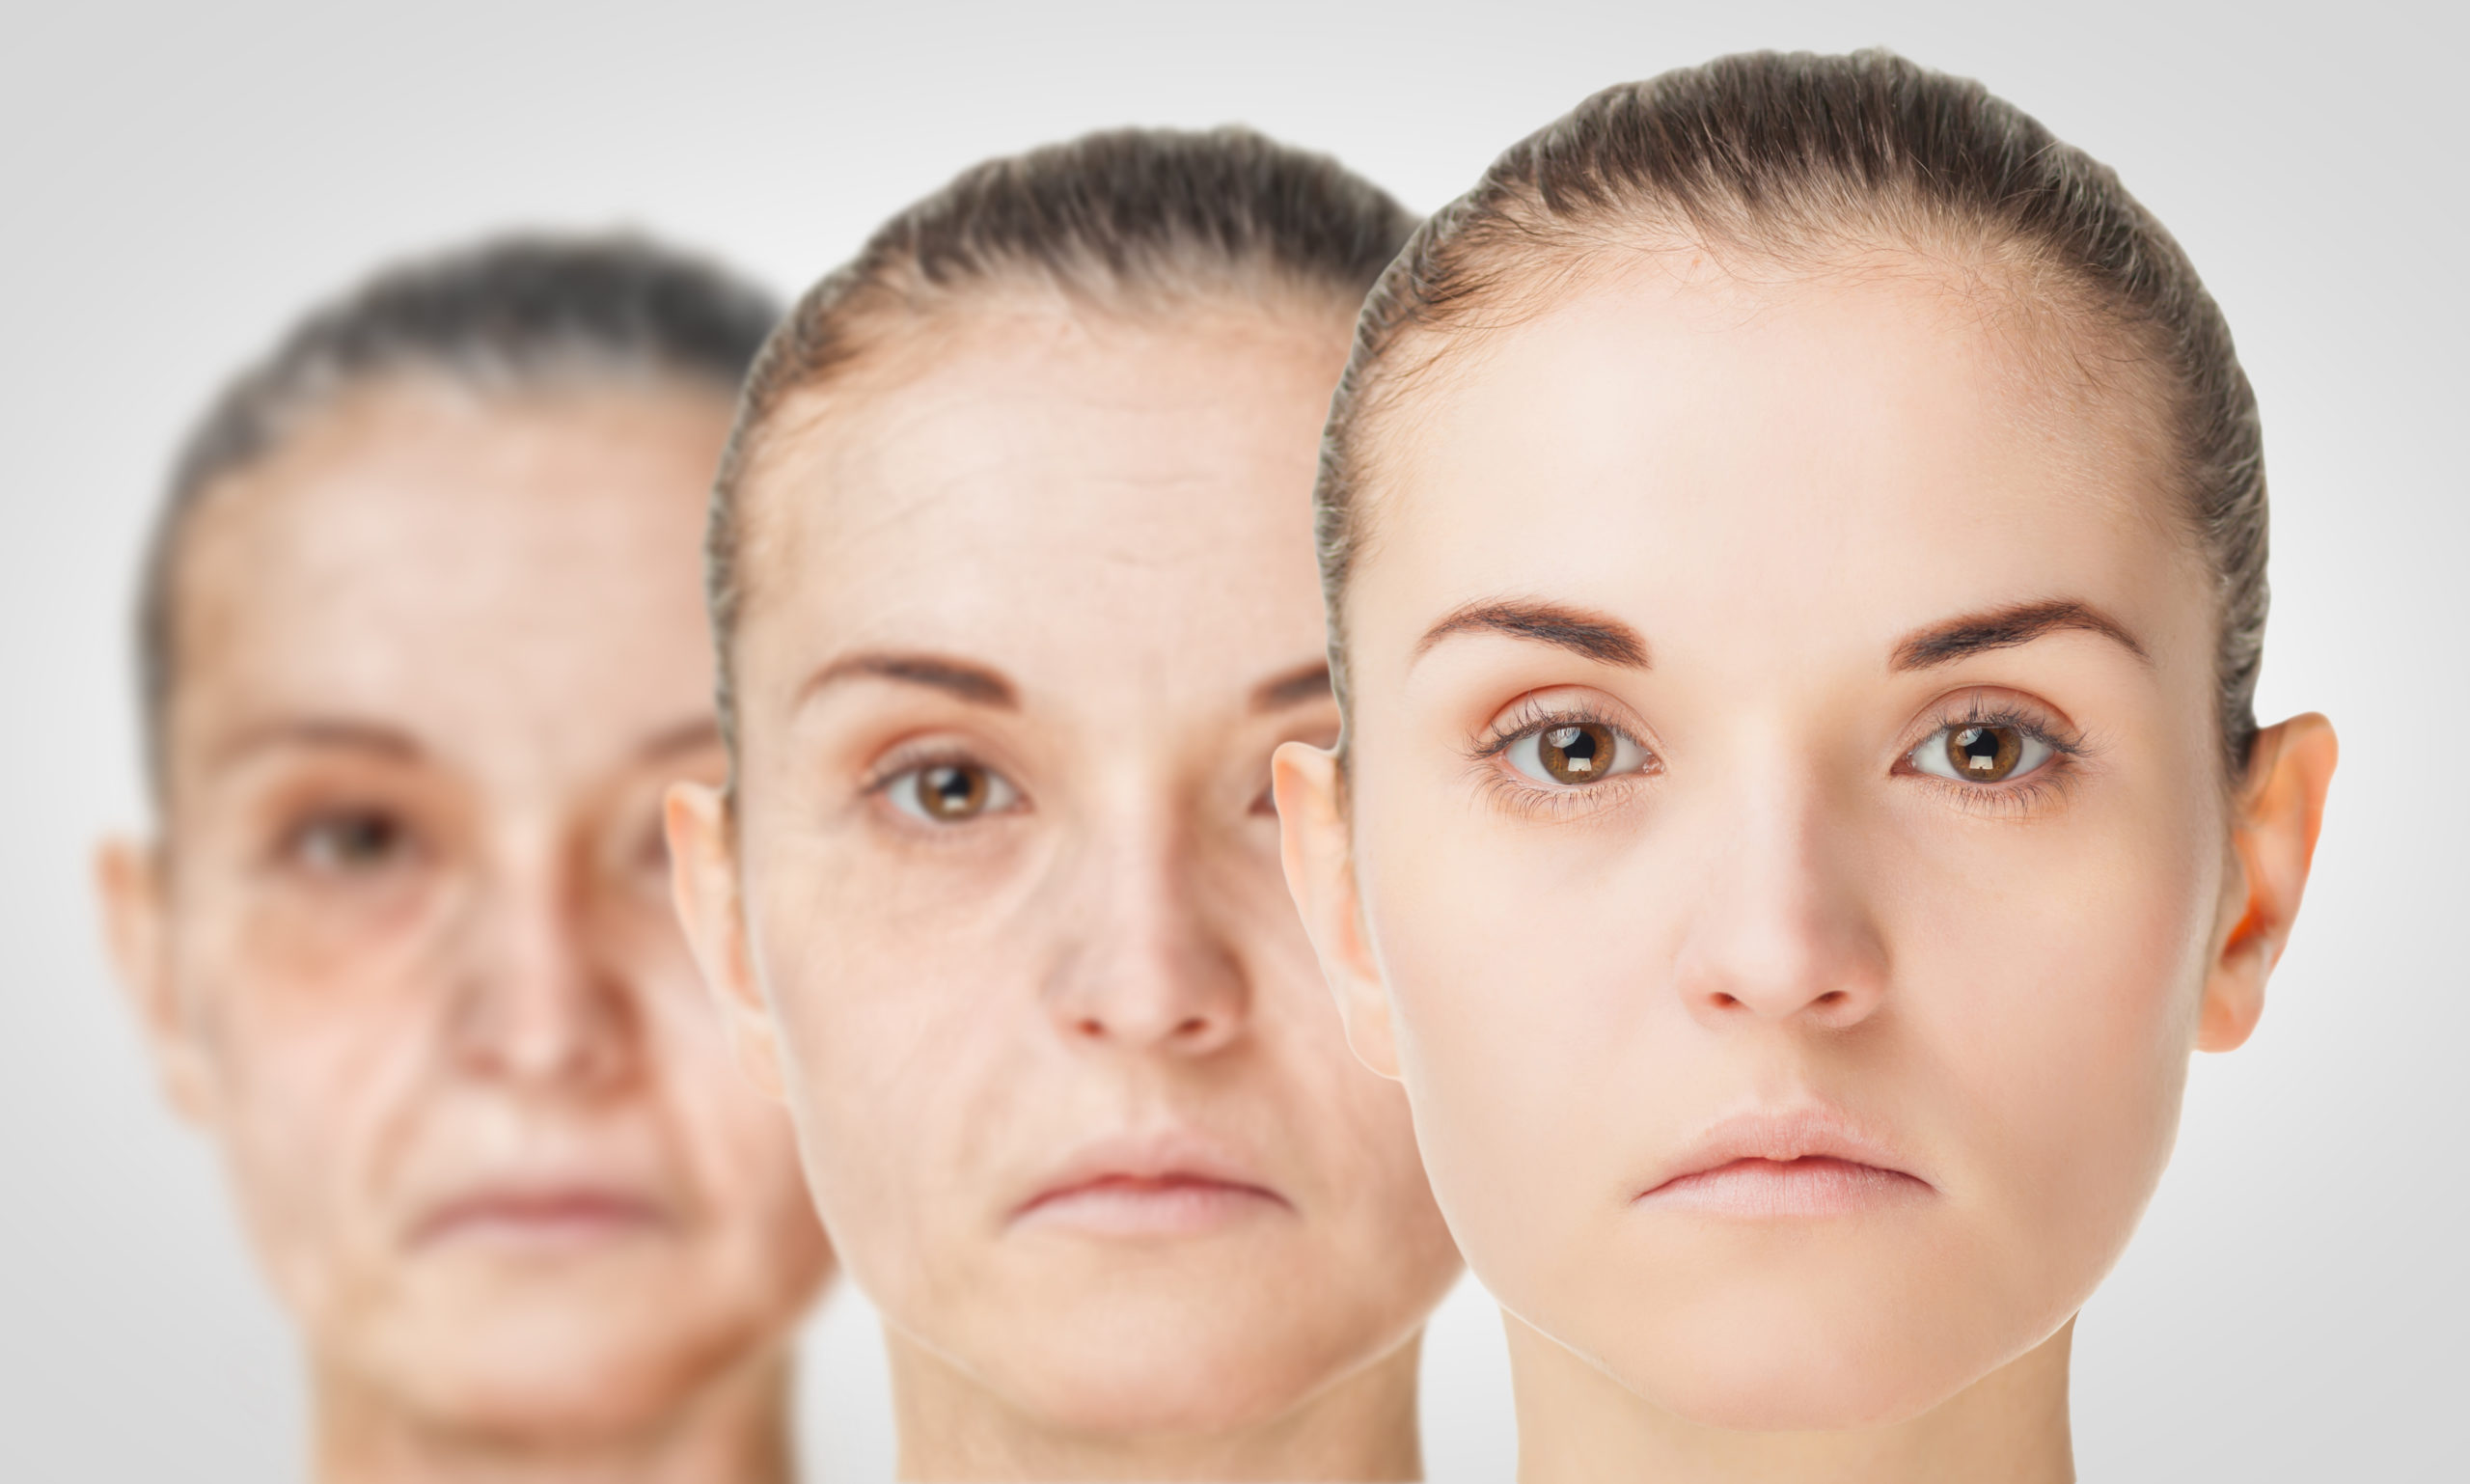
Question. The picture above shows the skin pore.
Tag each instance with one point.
(1785, 853)
(405, 949)
(1000, 910)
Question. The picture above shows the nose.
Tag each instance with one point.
(1148, 967)
(538, 1006)
(1783, 930)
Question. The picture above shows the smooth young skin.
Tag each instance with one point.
(405, 949)
(1791, 1096)
(1072, 1102)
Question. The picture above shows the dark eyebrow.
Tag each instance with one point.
(959, 678)
(1303, 684)
(320, 731)
(2004, 628)
(684, 737)
(1598, 636)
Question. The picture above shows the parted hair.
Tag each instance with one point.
(1136, 221)
(1796, 158)
(500, 315)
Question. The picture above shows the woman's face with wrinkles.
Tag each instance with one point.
(1026, 621)
(407, 949)
(1786, 852)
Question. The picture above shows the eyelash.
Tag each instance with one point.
(1514, 790)
(1506, 787)
(2044, 784)
(904, 761)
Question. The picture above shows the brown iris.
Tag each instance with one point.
(1576, 752)
(953, 790)
(1984, 754)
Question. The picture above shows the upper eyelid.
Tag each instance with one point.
(2046, 723)
(1526, 716)
(911, 755)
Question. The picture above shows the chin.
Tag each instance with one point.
(1784, 1361)
(1129, 1369)
(552, 1373)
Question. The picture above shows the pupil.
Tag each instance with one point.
(951, 792)
(1571, 753)
(1988, 753)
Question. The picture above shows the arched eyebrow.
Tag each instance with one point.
(1303, 684)
(1600, 637)
(955, 678)
(2004, 628)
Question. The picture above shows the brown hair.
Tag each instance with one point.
(505, 314)
(1127, 220)
(1790, 156)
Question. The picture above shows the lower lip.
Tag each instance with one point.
(1171, 1206)
(546, 1225)
(1773, 1188)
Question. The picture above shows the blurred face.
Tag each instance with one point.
(413, 956)
(1790, 850)
(1028, 620)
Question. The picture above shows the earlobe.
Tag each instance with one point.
(129, 884)
(1320, 875)
(2281, 811)
(703, 882)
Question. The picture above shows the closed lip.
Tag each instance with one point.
(1806, 1160)
(1166, 1181)
(540, 1211)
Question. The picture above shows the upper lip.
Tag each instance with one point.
(1803, 1131)
(1167, 1154)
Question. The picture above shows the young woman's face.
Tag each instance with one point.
(1025, 626)
(409, 948)
(1788, 821)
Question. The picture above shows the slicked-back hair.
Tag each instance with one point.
(503, 315)
(1131, 221)
(1797, 159)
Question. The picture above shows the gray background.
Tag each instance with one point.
(176, 179)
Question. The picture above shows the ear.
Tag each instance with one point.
(1320, 875)
(2281, 808)
(135, 899)
(703, 880)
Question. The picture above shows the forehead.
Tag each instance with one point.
(1894, 445)
(1047, 481)
(473, 569)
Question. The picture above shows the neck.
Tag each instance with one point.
(952, 1428)
(1575, 1422)
(735, 1430)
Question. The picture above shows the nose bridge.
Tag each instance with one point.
(1783, 928)
(1148, 966)
(535, 1004)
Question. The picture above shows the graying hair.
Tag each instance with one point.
(503, 315)
(1130, 219)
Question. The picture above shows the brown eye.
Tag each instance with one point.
(950, 792)
(1576, 752)
(354, 840)
(1983, 753)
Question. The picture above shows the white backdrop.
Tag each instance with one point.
(176, 179)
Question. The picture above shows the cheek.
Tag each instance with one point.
(1516, 999)
(2061, 1016)
(310, 1072)
(899, 1021)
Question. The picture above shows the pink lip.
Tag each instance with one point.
(1171, 1185)
(1810, 1161)
(541, 1216)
